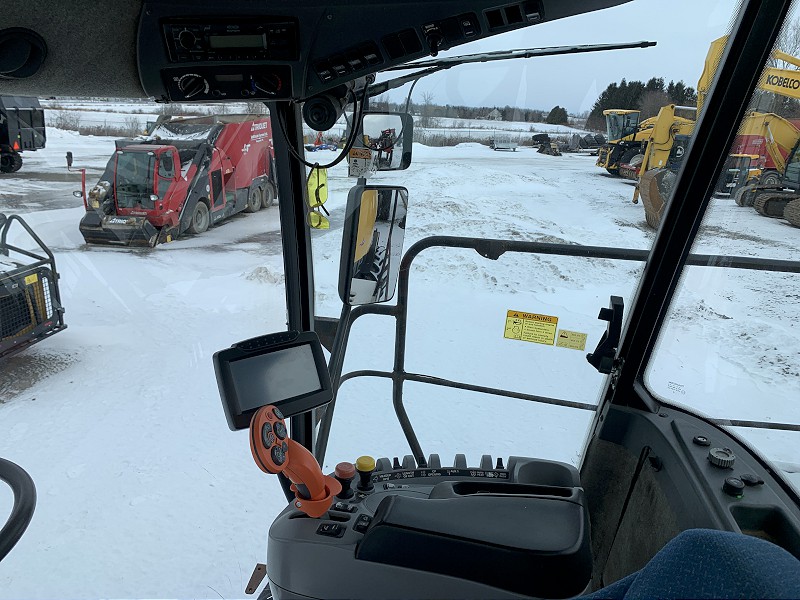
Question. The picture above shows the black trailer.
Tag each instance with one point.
(21, 129)
(30, 302)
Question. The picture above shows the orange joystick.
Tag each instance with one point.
(275, 453)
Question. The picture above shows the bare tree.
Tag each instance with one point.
(426, 109)
(651, 102)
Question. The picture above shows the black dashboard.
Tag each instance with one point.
(242, 50)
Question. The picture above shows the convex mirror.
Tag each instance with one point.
(390, 136)
(372, 243)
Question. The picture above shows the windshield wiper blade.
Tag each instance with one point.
(429, 67)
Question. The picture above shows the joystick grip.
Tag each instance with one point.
(274, 452)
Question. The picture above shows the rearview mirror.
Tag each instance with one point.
(390, 136)
(372, 243)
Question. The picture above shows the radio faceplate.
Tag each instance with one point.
(228, 40)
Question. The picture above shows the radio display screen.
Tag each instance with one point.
(237, 41)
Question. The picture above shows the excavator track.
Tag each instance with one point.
(772, 204)
(745, 196)
(792, 212)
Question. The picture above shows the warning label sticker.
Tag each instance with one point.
(531, 327)
(365, 153)
(31, 279)
(571, 339)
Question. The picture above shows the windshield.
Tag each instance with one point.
(133, 179)
(621, 125)
(118, 416)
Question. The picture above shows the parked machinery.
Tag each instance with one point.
(30, 302)
(187, 175)
(21, 129)
(627, 137)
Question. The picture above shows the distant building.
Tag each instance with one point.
(495, 115)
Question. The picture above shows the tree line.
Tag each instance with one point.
(647, 97)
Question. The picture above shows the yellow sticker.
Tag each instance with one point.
(531, 327)
(571, 339)
(361, 153)
(31, 279)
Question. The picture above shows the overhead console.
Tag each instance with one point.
(206, 51)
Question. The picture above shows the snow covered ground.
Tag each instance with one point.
(144, 492)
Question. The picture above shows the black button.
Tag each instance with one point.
(278, 414)
(267, 437)
(750, 479)
(331, 529)
(733, 486)
(362, 523)
(701, 440)
(280, 430)
(285, 447)
(344, 507)
(278, 455)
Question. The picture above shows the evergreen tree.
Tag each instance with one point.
(558, 116)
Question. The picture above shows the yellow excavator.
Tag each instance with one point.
(626, 137)
(767, 136)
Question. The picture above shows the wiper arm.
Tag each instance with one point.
(429, 67)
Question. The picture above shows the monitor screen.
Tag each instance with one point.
(273, 377)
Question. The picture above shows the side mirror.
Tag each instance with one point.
(390, 136)
(77, 194)
(372, 243)
(69, 160)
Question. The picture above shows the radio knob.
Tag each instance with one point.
(187, 39)
(191, 85)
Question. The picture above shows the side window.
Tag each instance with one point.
(731, 345)
(167, 163)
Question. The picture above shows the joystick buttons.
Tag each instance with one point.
(267, 437)
(280, 430)
(278, 455)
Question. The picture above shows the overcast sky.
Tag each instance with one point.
(682, 28)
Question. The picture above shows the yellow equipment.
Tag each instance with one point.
(317, 185)
(366, 225)
(766, 135)
(626, 138)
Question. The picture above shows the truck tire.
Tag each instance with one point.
(770, 179)
(268, 195)
(200, 219)
(253, 200)
(10, 162)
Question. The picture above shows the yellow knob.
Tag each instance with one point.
(365, 464)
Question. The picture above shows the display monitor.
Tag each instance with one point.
(285, 369)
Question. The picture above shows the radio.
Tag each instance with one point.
(258, 39)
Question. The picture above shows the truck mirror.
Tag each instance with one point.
(77, 194)
(372, 243)
(69, 160)
(390, 136)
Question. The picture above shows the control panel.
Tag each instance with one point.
(239, 82)
(394, 516)
(231, 40)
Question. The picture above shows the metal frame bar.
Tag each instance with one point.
(491, 249)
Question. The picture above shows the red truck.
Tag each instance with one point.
(186, 175)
